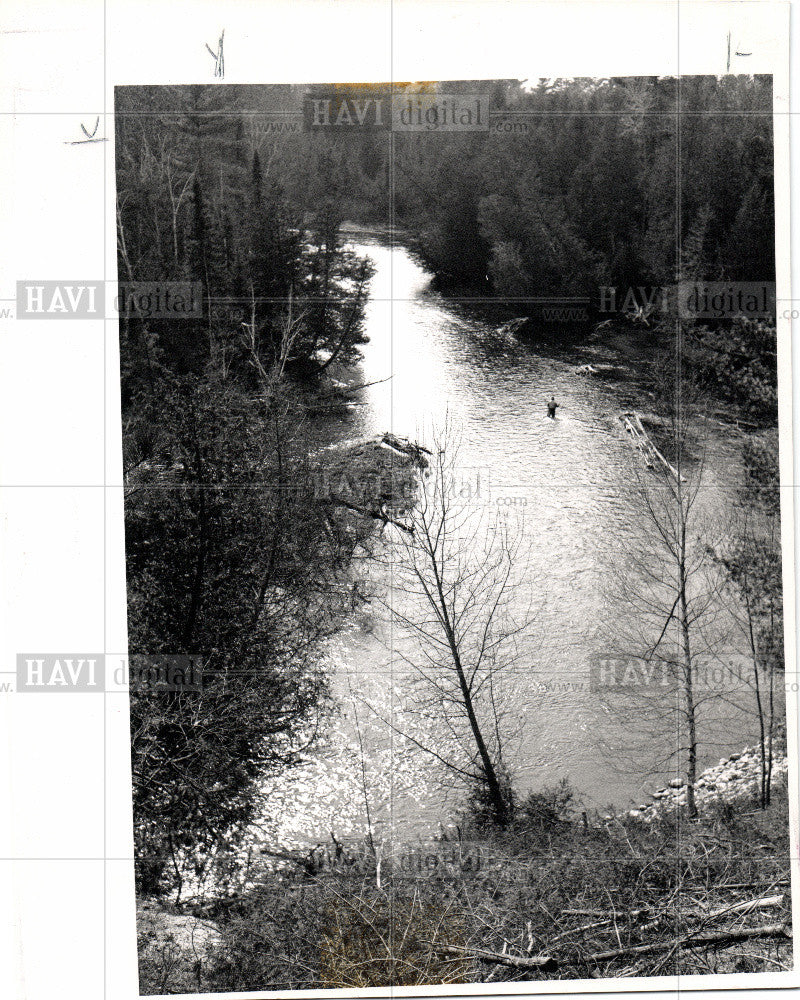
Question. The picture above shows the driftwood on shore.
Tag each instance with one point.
(572, 947)
(335, 395)
(513, 326)
(597, 368)
(653, 458)
(375, 478)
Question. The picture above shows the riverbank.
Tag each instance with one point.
(431, 360)
(375, 478)
(551, 897)
(734, 782)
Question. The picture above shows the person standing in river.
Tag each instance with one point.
(551, 408)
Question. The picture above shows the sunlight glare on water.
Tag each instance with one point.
(562, 479)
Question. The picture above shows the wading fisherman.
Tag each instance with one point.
(551, 408)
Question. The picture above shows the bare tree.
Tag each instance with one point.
(179, 190)
(290, 328)
(457, 599)
(673, 630)
(752, 565)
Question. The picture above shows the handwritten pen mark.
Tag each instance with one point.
(736, 52)
(90, 136)
(218, 56)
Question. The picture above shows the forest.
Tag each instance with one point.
(620, 182)
(235, 556)
(617, 182)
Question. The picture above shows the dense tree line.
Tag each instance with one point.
(579, 183)
(617, 182)
(232, 556)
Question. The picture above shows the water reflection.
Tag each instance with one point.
(564, 482)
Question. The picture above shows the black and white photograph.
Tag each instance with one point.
(453, 524)
(397, 499)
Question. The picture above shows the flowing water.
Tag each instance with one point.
(562, 482)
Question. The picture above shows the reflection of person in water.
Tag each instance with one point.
(551, 408)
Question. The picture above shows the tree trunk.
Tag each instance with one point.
(770, 731)
(493, 785)
(688, 681)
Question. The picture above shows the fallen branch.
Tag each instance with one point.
(761, 884)
(633, 425)
(765, 903)
(549, 963)
(362, 385)
(544, 962)
(376, 514)
(631, 914)
(579, 930)
(693, 939)
(705, 916)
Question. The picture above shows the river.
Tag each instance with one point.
(561, 481)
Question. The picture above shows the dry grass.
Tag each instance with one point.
(558, 901)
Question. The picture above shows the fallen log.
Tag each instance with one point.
(762, 884)
(764, 903)
(408, 449)
(512, 326)
(376, 513)
(633, 426)
(693, 939)
(580, 930)
(544, 962)
(550, 963)
(596, 368)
